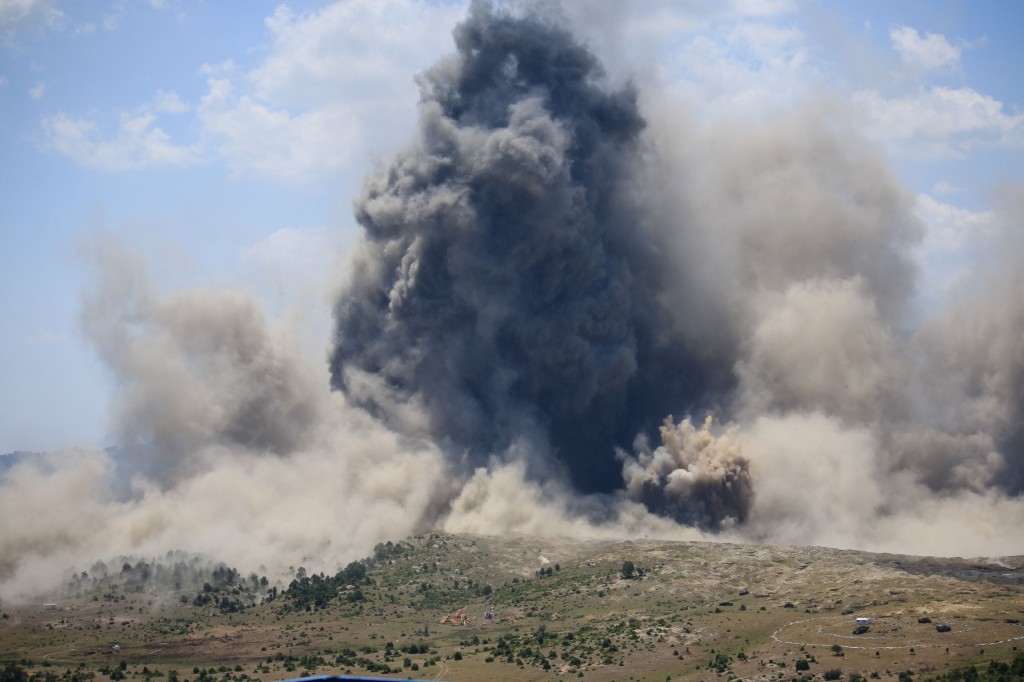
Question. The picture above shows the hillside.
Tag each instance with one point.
(532, 608)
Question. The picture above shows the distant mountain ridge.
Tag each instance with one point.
(9, 459)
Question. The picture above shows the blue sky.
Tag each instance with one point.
(224, 141)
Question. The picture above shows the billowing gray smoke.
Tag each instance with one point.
(973, 358)
(552, 294)
(547, 276)
(510, 283)
(194, 369)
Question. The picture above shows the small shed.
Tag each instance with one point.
(864, 621)
(49, 607)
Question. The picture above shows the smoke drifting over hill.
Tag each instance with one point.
(548, 274)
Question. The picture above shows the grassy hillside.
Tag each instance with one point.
(644, 610)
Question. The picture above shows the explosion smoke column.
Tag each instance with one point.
(536, 270)
(510, 284)
(555, 288)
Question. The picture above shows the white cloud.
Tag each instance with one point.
(138, 145)
(953, 237)
(927, 53)
(761, 8)
(336, 85)
(939, 122)
(943, 188)
(292, 268)
(356, 49)
(668, 19)
(741, 69)
(291, 251)
(16, 15)
(12, 10)
(712, 59)
(113, 19)
(253, 137)
(767, 43)
(37, 90)
(950, 227)
(218, 70)
(168, 101)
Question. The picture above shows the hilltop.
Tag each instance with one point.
(529, 608)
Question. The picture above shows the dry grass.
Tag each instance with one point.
(786, 604)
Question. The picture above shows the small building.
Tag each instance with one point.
(49, 607)
(864, 621)
(116, 649)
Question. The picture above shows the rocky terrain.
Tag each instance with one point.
(462, 607)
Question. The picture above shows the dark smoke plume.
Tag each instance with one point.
(510, 284)
(552, 294)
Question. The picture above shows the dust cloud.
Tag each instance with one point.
(568, 315)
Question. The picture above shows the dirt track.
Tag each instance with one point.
(895, 633)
